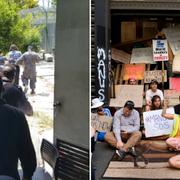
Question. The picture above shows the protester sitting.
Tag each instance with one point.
(97, 105)
(126, 127)
(132, 81)
(156, 103)
(13, 94)
(97, 108)
(152, 92)
(174, 141)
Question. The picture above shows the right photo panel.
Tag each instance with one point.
(135, 89)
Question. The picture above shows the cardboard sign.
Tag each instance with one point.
(124, 93)
(156, 125)
(174, 83)
(172, 96)
(133, 70)
(142, 55)
(176, 64)
(173, 37)
(101, 123)
(160, 50)
(157, 74)
(120, 56)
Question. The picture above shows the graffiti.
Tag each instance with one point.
(101, 69)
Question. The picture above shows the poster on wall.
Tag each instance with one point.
(155, 124)
(133, 70)
(142, 55)
(160, 50)
(127, 92)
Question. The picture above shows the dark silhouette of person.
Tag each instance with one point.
(15, 142)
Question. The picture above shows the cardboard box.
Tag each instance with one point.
(128, 31)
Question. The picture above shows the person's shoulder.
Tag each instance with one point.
(119, 111)
(135, 112)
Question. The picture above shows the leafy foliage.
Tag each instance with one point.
(15, 29)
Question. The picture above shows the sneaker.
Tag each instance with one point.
(32, 92)
(121, 154)
(132, 152)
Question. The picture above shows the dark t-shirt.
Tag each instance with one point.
(15, 143)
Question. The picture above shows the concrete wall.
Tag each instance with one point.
(72, 72)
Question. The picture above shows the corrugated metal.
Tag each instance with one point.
(146, 4)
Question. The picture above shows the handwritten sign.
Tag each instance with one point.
(160, 50)
(173, 37)
(133, 70)
(127, 92)
(156, 125)
(142, 55)
(174, 83)
(101, 123)
(172, 96)
(176, 64)
(120, 56)
(157, 74)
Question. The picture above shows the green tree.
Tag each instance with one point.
(24, 4)
(16, 29)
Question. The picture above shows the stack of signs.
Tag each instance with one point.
(101, 123)
(160, 50)
(156, 125)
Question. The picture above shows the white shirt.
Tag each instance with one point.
(150, 94)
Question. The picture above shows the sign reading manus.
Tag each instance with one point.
(156, 125)
(160, 50)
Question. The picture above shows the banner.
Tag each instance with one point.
(156, 125)
(160, 50)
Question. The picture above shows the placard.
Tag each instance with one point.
(172, 96)
(156, 125)
(160, 50)
(142, 55)
(120, 56)
(101, 123)
(133, 70)
(174, 83)
(157, 74)
(173, 37)
(124, 93)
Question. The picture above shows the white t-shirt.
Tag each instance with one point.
(150, 94)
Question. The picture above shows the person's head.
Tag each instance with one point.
(13, 47)
(30, 48)
(9, 72)
(153, 85)
(96, 104)
(156, 103)
(132, 81)
(128, 107)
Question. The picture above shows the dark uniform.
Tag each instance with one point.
(15, 143)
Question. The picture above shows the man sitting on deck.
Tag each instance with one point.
(126, 127)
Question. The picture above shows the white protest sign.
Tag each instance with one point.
(160, 50)
(142, 55)
(124, 93)
(156, 125)
(101, 123)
